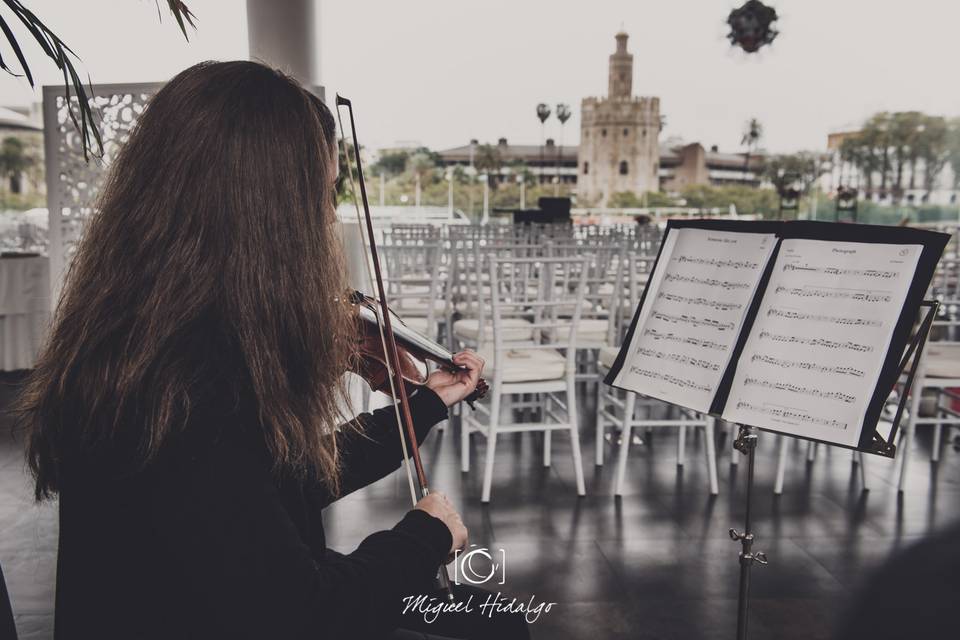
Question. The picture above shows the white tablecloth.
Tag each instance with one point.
(24, 310)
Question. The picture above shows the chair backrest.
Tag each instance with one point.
(413, 283)
(541, 290)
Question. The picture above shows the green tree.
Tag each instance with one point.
(489, 160)
(624, 200)
(391, 163)
(801, 168)
(905, 128)
(752, 135)
(953, 150)
(932, 148)
(14, 161)
(421, 166)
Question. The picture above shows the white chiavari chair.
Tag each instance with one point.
(938, 374)
(540, 365)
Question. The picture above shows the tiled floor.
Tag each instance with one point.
(655, 564)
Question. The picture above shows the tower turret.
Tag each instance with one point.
(621, 70)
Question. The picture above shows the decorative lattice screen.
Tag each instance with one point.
(73, 183)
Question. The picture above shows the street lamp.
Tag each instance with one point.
(486, 198)
(543, 112)
(449, 177)
(563, 114)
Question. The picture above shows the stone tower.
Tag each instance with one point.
(619, 149)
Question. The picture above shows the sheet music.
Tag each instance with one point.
(811, 362)
(694, 309)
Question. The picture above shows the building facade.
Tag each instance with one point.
(619, 147)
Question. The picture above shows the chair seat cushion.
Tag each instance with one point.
(608, 355)
(417, 324)
(408, 306)
(514, 329)
(591, 330)
(524, 365)
(942, 360)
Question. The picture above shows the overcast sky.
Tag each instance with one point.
(443, 71)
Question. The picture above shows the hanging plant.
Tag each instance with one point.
(64, 58)
(751, 26)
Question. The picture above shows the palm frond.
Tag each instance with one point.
(181, 12)
(81, 113)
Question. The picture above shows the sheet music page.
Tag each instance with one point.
(694, 309)
(811, 362)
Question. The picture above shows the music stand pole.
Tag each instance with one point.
(746, 443)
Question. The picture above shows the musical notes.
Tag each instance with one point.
(711, 283)
(804, 292)
(700, 302)
(693, 320)
(718, 262)
(821, 317)
(796, 388)
(696, 342)
(837, 271)
(683, 383)
(809, 366)
(693, 311)
(676, 357)
(816, 342)
(791, 415)
(815, 351)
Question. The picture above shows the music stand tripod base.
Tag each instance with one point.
(746, 443)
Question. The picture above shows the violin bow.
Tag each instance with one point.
(398, 388)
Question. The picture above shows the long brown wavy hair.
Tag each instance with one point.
(212, 263)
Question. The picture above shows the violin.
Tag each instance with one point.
(414, 351)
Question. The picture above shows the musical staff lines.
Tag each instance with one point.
(816, 342)
(718, 263)
(693, 310)
(799, 389)
(836, 271)
(700, 301)
(839, 294)
(693, 321)
(794, 415)
(684, 383)
(707, 282)
(807, 366)
(682, 359)
(694, 342)
(822, 317)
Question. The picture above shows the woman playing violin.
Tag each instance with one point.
(185, 407)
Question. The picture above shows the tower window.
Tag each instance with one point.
(603, 132)
(586, 167)
(626, 132)
(624, 168)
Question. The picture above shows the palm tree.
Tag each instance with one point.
(490, 162)
(62, 55)
(752, 134)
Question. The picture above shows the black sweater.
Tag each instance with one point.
(207, 542)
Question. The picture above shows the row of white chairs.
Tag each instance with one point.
(491, 288)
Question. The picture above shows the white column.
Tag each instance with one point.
(283, 35)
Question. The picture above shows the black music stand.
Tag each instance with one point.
(746, 444)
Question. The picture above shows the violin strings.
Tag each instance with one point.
(366, 262)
